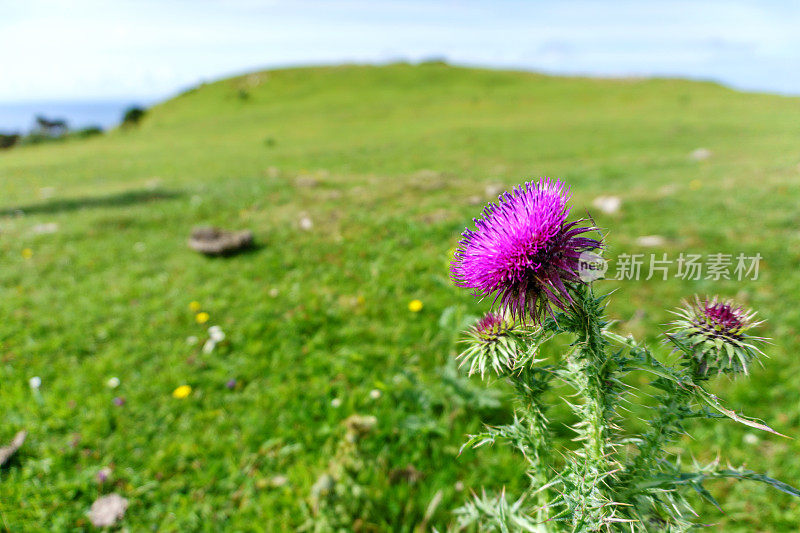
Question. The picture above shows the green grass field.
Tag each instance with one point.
(388, 164)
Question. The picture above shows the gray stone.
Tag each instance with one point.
(216, 241)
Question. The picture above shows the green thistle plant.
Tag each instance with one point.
(525, 252)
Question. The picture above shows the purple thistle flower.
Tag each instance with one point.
(523, 250)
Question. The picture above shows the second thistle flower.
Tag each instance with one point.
(715, 336)
(492, 344)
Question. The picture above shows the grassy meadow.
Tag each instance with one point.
(357, 182)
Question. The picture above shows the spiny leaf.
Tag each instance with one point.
(712, 401)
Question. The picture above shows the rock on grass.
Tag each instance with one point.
(215, 241)
(106, 511)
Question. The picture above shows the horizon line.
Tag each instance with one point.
(155, 99)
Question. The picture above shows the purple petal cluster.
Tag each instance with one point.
(718, 318)
(523, 250)
(492, 327)
(723, 315)
(491, 324)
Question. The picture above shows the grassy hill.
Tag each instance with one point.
(357, 182)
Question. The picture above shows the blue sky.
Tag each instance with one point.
(150, 49)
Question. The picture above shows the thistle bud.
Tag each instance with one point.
(714, 335)
(492, 343)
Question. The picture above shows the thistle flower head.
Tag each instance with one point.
(523, 250)
(492, 343)
(715, 335)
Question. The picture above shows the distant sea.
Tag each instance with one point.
(20, 117)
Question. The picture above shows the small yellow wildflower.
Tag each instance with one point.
(194, 306)
(27, 253)
(182, 392)
(202, 317)
(695, 185)
(415, 306)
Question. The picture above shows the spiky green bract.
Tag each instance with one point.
(493, 343)
(715, 337)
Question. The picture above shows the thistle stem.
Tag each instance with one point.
(588, 369)
(529, 390)
(539, 463)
